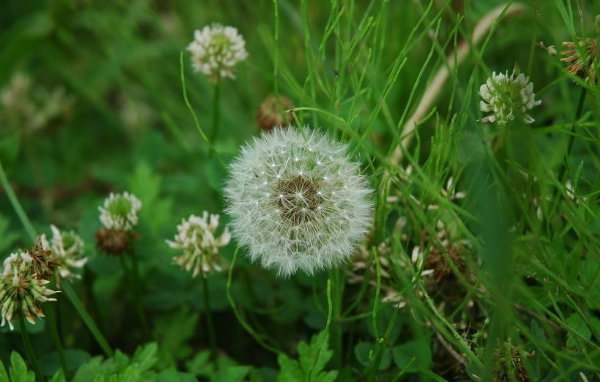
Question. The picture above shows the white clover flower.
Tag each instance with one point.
(22, 291)
(507, 97)
(68, 248)
(120, 211)
(297, 201)
(216, 50)
(196, 237)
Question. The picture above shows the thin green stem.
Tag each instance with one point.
(66, 287)
(237, 313)
(16, 205)
(216, 114)
(337, 332)
(87, 320)
(29, 350)
(193, 113)
(137, 291)
(566, 160)
(572, 135)
(51, 315)
(209, 322)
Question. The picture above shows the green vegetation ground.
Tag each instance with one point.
(483, 263)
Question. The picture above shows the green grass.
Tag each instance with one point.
(520, 251)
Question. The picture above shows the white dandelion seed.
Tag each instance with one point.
(216, 50)
(196, 237)
(309, 211)
(506, 97)
(120, 211)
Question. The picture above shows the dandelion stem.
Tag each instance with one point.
(209, 323)
(238, 315)
(51, 315)
(85, 317)
(29, 350)
(215, 117)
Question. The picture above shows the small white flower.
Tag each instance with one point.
(68, 248)
(22, 291)
(196, 237)
(120, 211)
(507, 97)
(216, 50)
(297, 201)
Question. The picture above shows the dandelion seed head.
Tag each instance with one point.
(318, 223)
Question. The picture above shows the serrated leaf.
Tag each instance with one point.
(145, 356)
(172, 375)
(312, 362)
(200, 364)
(3, 375)
(289, 371)
(18, 369)
(231, 374)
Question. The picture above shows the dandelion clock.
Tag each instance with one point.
(297, 201)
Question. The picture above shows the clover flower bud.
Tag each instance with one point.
(196, 237)
(271, 113)
(22, 290)
(216, 50)
(68, 248)
(507, 97)
(582, 58)
(120, 211)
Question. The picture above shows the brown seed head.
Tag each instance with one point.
(113, 241)
(43, 262)
(582, 57)
(270, 114)
(441, 269)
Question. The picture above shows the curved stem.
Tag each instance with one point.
(87, 320)
(16, 205)
(29, 349)
(209, 322)
(238, 315)
(51, 315)
(215, 116)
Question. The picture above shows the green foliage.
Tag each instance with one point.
(484, 258)
(310, 366)
(18, 370)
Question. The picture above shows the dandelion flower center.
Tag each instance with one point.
(298, 199)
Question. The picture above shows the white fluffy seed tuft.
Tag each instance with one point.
(297, 201)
